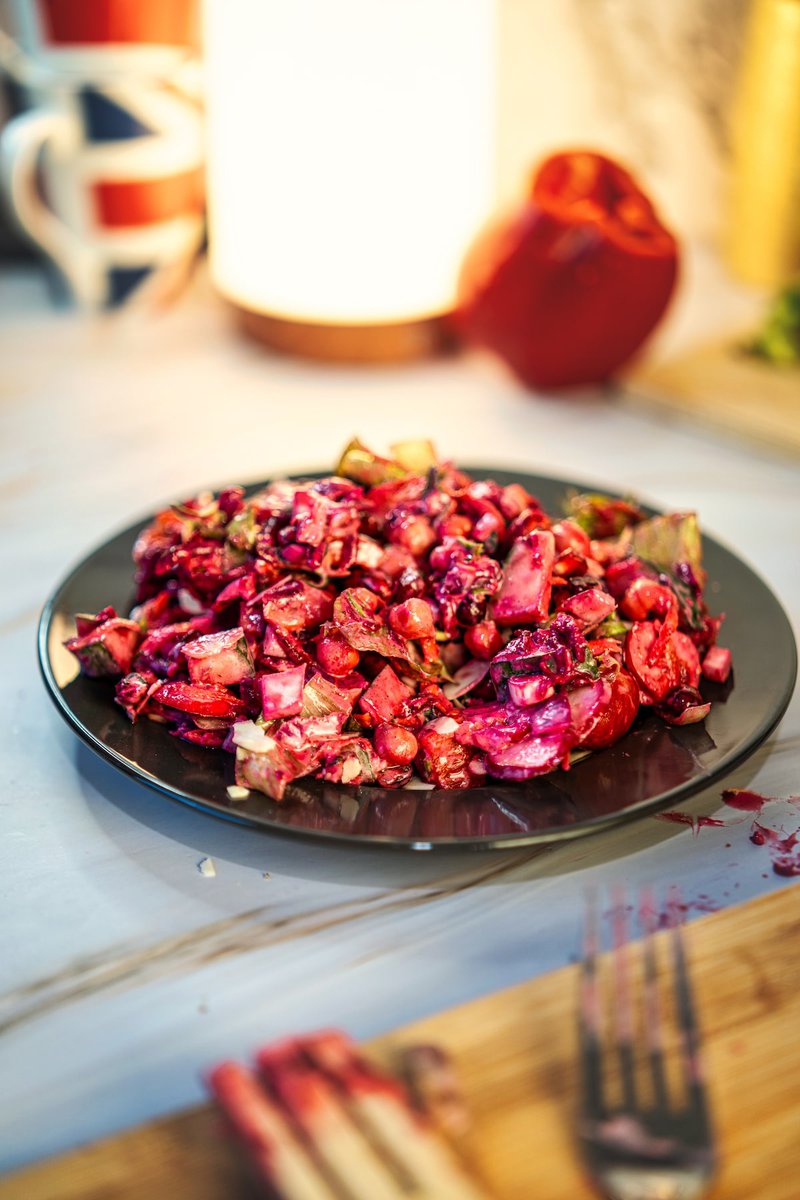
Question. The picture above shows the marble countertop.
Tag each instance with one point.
(125, 970)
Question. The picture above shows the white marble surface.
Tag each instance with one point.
(124, 970)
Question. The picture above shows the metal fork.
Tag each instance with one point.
(637, 1142)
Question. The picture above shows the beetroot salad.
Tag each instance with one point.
(399, 622)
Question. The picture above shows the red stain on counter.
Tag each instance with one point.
(696, 823)
(783, 847)
(744, 800)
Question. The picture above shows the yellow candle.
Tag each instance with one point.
(763, 234)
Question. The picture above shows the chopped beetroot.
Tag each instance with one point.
(107, 648)
(85, 623)
(219, 658)
(293, 605)
(200, 699)
(717, 664)
(524, 594)
(688, 659)
(441, 760)
(589, 607)
(400, 620)
(272, 769)
(385, 696)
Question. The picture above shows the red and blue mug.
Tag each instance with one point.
(104, 170)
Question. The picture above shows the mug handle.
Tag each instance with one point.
(21, 142)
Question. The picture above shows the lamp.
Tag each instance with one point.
(350, 162)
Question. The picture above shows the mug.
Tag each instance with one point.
(105, 169)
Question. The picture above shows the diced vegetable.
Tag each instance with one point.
(524, 594)
(282, 693)
(107, 648)
(219, 658)
(294, 605)
(441, 760)
(717, 664)
(525, 690)
(535, 755)
(385, 696)
(590, 607)
(200, 699)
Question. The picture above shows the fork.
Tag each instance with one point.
(638, 1142)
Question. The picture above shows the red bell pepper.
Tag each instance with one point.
(567, 286)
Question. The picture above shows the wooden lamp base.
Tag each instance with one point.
(395, 342)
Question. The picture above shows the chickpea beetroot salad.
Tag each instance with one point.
(399, 622)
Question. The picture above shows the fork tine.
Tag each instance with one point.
(687, 1024)
(589, 1022)
(652, 1006)
(623, 1011)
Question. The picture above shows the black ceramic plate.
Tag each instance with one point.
(652, 767)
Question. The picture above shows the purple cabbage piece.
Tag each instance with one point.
(161, 650)
(134, 690)
(495, 728)
(464, 580)
(535, 755)
(551, 717)
(553, 652)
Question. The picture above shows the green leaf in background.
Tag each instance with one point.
(778, 341)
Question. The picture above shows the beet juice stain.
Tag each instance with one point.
(697, 823)
(744, 800)
(783, 848)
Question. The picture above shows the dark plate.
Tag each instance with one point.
(652, 767)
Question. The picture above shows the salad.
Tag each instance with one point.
(399, 623)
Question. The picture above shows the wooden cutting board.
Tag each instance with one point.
(720, 386)
(516, 1056)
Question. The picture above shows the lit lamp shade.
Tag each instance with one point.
(351, 161)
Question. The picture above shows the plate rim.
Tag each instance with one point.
(477, 842)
